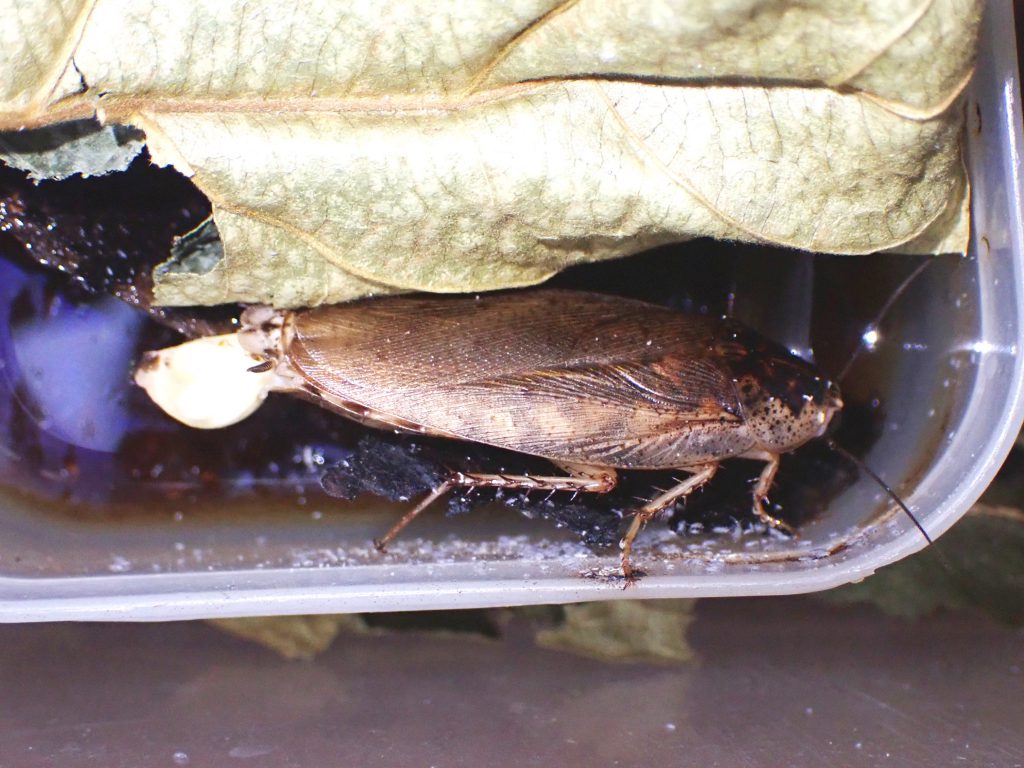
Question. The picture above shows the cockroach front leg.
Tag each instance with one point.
(582, 478)
(764, 484)
(700, 476)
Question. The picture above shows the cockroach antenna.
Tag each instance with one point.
(873, 325)
(831, 443)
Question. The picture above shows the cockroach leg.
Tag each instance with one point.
(382, 543)
(700, 476)
(764, 484)
(603, 479)
(582, 478)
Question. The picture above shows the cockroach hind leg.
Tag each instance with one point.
(602, 479)
(581, 478)
(382, 543)
(700, 476)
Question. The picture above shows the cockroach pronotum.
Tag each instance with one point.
(592, 383)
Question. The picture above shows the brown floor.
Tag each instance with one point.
(776, 682)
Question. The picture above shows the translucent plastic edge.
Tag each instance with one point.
(165, 597)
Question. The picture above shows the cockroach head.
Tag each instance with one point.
(786, 401)
(264, 331)
(783, 415)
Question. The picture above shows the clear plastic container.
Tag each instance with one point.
(948, 370)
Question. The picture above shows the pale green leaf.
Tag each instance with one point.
(624, 630)
(293, 637)
(357, 148)
(978, 565)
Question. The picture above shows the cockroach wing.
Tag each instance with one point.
(622, 415)
(569, 376)
(398, 340)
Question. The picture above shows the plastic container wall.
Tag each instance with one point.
(952, 384)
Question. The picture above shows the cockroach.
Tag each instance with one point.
(592, 383)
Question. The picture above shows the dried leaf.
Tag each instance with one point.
(978, 565)
(293, 637)
(82, 147)
(354, 149)
(305, 637)
(625, 630)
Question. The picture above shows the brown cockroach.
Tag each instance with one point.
(593, 383)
